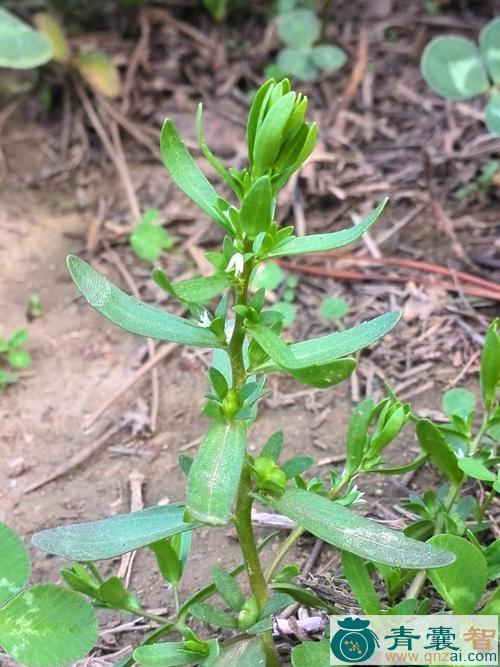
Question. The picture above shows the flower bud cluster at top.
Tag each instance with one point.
(278, 142)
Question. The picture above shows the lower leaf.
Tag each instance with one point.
(115, 535)
(346, 530)
(215, 473)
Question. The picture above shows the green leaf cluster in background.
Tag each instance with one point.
(13, 357)
(42, 625)
(148, 239)
(302, 57)
(459, 69)
(23, 47)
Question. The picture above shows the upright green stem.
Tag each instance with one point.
(243, 511)
(244, 501)
(243, 522)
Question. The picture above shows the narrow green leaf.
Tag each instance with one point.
(114, 594)
(489, 44)
(275, 604)
(452, 67)
(360, 583)
(227, 588)
(256, 112)
(186, 175)
(400, 470)
(296, 466)
(166, 654)
(115, 535)
(311, 654)
(346, 530)
(270, 134)
(46, 625)
(21, 47)
(209, 156)
(197, 290)
(274, 445)
(168, 561)
(475, 468)
(325, 349)
(212, 615)
(325, 375)
(215, 473)
(133, 315)
(461, 583)
(324, 242)
(14, 564)
(303, 595)
(490, 364)
(357, 433)
(248, 653)
(434, 444)
(256, 213)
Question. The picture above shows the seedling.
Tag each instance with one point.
(456, 68)
(34, 307)
(24, 48)
(303, 57)
(225, 479)
(218, 8)
(148, 239)
(333, 309)
(13, 356)
(482, 183)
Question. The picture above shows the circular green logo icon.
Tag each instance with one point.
(355, 641)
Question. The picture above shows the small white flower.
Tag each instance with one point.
(204, 320)
(236, 264)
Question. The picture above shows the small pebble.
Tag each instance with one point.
(16, 467)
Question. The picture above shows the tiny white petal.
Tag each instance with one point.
(236, 263)
(204, 320)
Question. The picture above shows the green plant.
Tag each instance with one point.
(480, 184)
(456, 68)
(13, 356)
(149, 239)
(464, 451)
(218, 9)
(22, 47)
(225, 479)
(34, 307)
(333, 309)
(302, 57)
